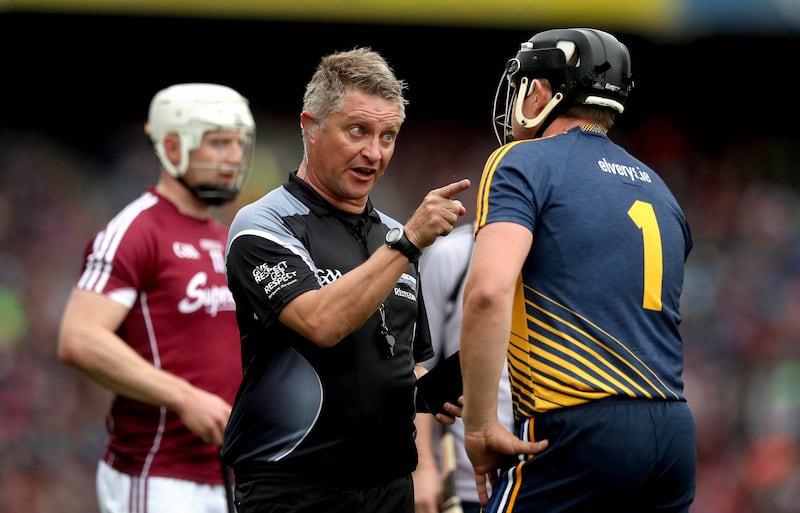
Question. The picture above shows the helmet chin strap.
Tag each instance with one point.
(211, 194)
(530, 123)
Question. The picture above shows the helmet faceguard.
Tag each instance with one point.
(191, 111)
(584, 66)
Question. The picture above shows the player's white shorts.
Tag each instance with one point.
(123, 493)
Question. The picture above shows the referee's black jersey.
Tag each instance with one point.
(300, 407)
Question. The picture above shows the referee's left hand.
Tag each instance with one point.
(453, 411)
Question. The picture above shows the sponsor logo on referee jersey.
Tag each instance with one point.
(325, 276)
(404, 293)
(410, 282)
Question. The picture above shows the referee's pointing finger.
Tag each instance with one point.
(450, 190)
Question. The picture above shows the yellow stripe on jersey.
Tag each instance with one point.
(576, 370)
(486, 180)
(663, 387)
(550, 368)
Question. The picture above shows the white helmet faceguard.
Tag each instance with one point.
(190, 111)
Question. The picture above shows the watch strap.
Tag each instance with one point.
(407, 248)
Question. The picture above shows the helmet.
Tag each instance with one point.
(191, 110)
(583, 65)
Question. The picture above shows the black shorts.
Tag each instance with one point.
(290, 493)
(620, 455)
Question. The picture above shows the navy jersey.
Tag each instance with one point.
(596, 312)
(301, 407)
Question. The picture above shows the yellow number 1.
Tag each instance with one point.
(645, 218)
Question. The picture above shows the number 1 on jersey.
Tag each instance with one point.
(644, 216)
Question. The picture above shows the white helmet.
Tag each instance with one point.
(191, 110)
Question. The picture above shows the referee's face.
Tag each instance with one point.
(349, 154)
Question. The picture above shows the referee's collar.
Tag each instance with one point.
(319, 205)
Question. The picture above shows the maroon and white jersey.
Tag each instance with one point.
(169, 269)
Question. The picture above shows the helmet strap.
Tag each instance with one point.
(209, 194)
(543, 115)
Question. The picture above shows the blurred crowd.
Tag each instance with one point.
(741, 300)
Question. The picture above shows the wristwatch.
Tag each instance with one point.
(396, 239)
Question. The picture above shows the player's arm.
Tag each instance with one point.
(88, 341)
(488, 302)
(325, 316)
(428, 484)
(488, 298)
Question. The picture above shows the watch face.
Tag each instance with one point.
(394, 235)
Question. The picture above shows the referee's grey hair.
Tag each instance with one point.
(360, 69)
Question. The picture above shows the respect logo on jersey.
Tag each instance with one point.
(278, 276)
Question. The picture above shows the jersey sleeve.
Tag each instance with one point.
(120, 259)
(268, 272)
(507, 192)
